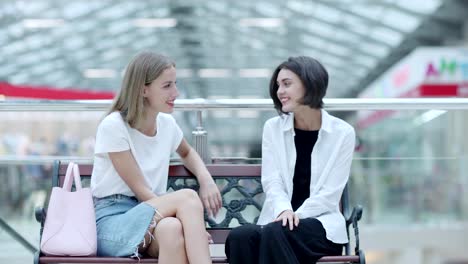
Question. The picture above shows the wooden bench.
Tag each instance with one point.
(241, 189)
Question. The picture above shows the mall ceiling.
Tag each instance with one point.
(222, 48)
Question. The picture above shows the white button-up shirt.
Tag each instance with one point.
(330, 168)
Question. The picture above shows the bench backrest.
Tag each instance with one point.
(239, 184)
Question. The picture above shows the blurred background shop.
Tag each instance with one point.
(409, 165)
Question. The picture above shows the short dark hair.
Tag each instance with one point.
(313, 75)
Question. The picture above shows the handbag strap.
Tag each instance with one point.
(72, 170)
(77, 176)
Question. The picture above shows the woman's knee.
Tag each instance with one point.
(190, 199)
(168, 227)
(170, 233)
(274, 227)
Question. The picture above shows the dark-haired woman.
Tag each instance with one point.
(306, 160)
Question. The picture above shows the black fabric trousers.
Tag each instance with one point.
(273, 243)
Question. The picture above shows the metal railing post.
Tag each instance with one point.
(200, 139)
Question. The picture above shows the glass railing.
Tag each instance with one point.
(409, 165)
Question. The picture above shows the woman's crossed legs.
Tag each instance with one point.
(180, 236)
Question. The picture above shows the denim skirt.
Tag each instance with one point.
(121, 224)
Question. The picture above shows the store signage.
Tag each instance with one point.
(447, 69)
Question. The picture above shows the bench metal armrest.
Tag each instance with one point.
(353, 219)
(40, 214)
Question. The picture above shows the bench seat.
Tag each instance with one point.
(327, 259)
(228, 177)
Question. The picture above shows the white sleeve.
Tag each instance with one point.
(329, 195)
(177, 135)
(112, 136)
(272, 183)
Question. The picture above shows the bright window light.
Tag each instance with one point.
(368, 11)
(254, 73)
(400, 20)
(100, 73)
(19, 78)
(378, 50)
(42, 23)
(268, 9)
(119, 27)
(422, 7)
(256, 44)
(261, 22)
(214, 73)
(321, 29)
(248, 114)
(357, 25)
(8, 69)
(301, 7)
(41, 68)
(249, 97)
(184, 73)
(222, 114)
(387, 35)
(313, 41)
(428, 116)
(155, 22)
(328, 14)
(365, 60)
(337, 49)
(330, 59)
(347, 37)
(216, 97)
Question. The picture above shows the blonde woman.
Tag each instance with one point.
(134, 214)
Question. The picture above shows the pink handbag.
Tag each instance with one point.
(70, 225)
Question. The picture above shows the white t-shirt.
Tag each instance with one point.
(151, 153)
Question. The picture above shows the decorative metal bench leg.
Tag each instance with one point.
(36, 257)
(362, 257)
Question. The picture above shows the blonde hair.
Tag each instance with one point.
(143, 69)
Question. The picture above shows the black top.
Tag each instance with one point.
(305, 142)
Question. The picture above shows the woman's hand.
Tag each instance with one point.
(209, 192)
(210, 196)
(288, 216)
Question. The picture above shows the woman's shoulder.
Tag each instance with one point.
(341, 125)
(277, 120)
(166, 117)
(113, 119)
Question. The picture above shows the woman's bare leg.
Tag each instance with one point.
(169, 245)
(186, 206)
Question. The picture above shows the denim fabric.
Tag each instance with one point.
(122, 223)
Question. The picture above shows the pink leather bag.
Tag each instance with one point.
(70, 225)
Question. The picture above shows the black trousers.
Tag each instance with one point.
(273, 243)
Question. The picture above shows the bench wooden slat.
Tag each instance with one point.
(219, 236)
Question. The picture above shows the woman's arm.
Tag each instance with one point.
(209, 191)
(272, 183)
(127, 167)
